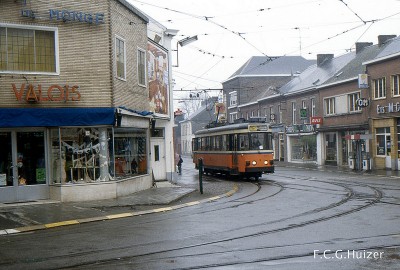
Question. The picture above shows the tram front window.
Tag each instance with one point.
(260, 141)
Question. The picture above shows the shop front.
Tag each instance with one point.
(72, 154)
(386, 143)
(302, 143)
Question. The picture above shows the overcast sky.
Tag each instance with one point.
(232, 31)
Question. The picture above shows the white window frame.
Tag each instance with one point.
(233, 98)
(330, 106)
(313, 107)
(56, 48)
(116, 58)
(352, 100)
(294, 112)
(139, 51)
(379, 86)
(395, 85)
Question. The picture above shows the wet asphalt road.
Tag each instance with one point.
(293, 219)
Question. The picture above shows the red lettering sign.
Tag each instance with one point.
(315, 120)
(31, 93)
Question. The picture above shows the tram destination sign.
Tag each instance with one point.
(258, 127)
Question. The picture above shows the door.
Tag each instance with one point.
(23, 166)
(158, 159)
(388, 158)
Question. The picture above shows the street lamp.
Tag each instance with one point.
(183, 42)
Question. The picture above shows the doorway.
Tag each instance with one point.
(23, 166)
(158, 159)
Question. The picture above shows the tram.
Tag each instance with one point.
(241, 149)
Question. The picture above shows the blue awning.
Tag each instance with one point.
(56, 117)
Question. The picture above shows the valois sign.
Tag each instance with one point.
(68, 16)
(31, 93)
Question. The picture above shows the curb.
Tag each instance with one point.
(115, 216)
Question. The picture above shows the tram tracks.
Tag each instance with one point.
(158, 248)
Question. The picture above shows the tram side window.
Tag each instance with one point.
(224, 142)
(230, 142)
(243, 142)
(218, 143)
(203, 144)
(195, 144)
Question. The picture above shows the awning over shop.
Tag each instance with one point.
(56, 117)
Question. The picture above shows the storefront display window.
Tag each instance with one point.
(130, 153)
(84, 155)
(304, 148)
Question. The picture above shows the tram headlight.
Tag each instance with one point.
(254, 163)
(266, 162)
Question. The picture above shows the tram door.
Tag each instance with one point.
(233, 142)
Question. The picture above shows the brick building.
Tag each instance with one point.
(77, 119)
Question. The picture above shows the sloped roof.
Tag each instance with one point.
(203, 116)
(355, 66)
(135, 10)
(316, 75)
(267, 66)
(391, 48)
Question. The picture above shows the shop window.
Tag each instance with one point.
(302, 147)
(120, 58)
(94, 154)
(27, 50)
(130, 154)
(379, 88)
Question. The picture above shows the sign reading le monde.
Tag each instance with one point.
(31, 93)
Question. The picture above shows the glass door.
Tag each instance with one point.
(22, 166)
(31, 158)
(6, 168)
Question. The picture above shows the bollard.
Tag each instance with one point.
(201, 175)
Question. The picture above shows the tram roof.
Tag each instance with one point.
(238, 126)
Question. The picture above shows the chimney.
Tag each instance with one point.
(322, 58)
(383, 38)
(361, 45)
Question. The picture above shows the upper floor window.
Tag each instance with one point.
(313, 112)
(353, 107)
(233, 99)
(395, 85)
(280, 114)
(379, 88)
(142, 67)
(294, 113)
(330, 106)
(28, 49)
(120, 57)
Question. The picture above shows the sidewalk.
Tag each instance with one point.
(165, 196)
(329, 168)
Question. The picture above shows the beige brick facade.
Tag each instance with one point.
(86, 54)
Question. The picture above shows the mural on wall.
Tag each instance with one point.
(157, 66)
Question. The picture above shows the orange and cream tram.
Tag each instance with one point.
(243, 149)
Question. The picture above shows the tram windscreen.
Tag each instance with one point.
(255, 141)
